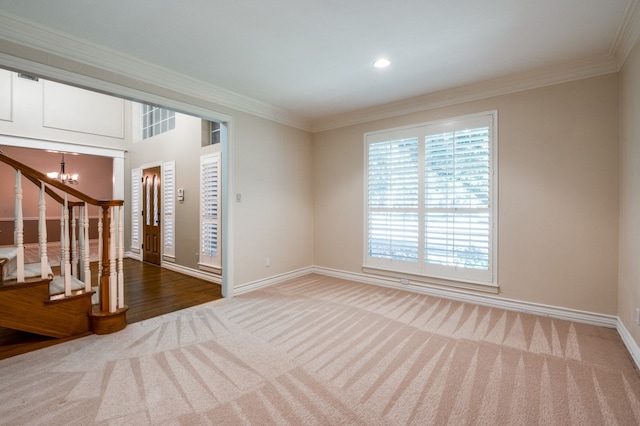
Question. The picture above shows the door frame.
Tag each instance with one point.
(143, 167)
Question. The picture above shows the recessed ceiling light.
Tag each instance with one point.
(382, 63)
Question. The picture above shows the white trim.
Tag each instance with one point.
(628, 33)
(214, 279)
(85, 54)
(629, 342)
(133, 255)
(557, 312)
(267, 282)
(592, 67)
(479, 299)
(44, 144)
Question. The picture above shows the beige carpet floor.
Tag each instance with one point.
(319, 350)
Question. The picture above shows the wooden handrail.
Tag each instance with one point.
(33, 173)
(110, 316)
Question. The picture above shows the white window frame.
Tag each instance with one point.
(420, 270)
(211, 262)
(169, 206)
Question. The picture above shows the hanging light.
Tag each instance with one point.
(63, 176)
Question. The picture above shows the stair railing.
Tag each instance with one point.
(74, 252)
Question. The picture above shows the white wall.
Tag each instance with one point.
(629, 272)
(558, 192)
(51, 111)
(272, 173)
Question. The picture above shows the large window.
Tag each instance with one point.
(431, 204)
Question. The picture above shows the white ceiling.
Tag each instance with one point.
(314, 57)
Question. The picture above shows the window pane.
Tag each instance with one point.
(393, 174)
(457, 169)
(457, 239)
(393, 235)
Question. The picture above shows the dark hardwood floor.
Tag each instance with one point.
(150, 291)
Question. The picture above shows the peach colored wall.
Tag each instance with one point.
(629, 272)
(558, 192)
(95, 181)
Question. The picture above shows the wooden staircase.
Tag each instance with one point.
(32, 298)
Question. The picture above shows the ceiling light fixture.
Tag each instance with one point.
(382, 63)
(63, 176)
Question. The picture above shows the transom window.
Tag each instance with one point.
(431, 207)
(156, 120)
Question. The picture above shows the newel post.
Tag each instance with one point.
(109, 317)
(105, 273)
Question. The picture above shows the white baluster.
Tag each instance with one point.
(74, 244)
(113, 283)
(100, 227)
(19, 229)
(63, 238)
(65, 248)
(86, 254)
(42, 234)
(120, 257)
(81, 246)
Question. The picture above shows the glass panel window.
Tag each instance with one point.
(430, 199)
(156, 120)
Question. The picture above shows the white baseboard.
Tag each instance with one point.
(179, 268)
(629, 342)
(133, 255)
(592, 318)
(276, 279)
(196, 273)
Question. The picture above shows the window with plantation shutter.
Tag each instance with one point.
(431, 200)
(136, 178)
(168, 199)
(210, 211)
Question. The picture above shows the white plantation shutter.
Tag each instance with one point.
(136, 183)
(168, 199)
(430, 208)
(393, 193)
(457, 198)
(210, 210)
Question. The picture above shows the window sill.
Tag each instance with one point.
(422, 279)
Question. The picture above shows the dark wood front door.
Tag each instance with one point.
(151, 244)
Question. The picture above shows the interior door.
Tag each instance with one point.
(151, 244)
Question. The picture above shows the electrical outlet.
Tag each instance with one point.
(267, 262)
(404, 281)
(637, 316)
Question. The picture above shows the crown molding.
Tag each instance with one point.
(628, 33)
(101, 63)
(104, 69)
(592, 67)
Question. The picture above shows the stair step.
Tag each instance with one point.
(57, 285)
(9, 266)
(31, 270)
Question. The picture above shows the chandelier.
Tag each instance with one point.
(63, 176)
